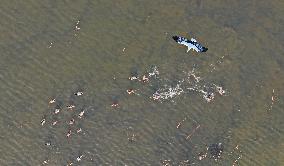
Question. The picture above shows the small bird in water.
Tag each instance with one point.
(191, 44)
(68, 134)
(145, 78)
(81, 114)
(133, 78)
(220, 90)
(79, 130)
(115, 104)
(78, 93)
(72, 121)
(130, 91)
(45, 162)
(56, 111)
(79, 158)
(54, 123)
(52, 101)
(42, 122)
(70, 106)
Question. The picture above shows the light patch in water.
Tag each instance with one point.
(191, 74)
(208, 96)
(191, 82)
(197, 86)
(154, 72)
(220, 90)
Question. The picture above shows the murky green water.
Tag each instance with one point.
(44, 56)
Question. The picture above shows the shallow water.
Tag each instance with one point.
(44, 56)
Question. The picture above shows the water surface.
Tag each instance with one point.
(44, 56)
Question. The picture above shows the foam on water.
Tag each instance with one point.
(167, 92)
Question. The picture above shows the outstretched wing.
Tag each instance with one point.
(191, 46)
(193, 40)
